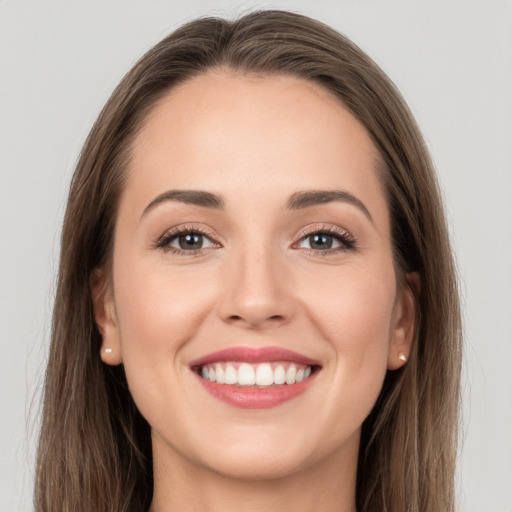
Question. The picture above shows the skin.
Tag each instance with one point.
(255, 141)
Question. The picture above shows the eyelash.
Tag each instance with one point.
(347, 241)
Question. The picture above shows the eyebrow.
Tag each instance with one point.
(297, 201)
(310, 198)
(195, 197)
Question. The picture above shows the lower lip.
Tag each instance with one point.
(256, 398)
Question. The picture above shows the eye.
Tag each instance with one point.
(190, 241)
(186, 240)
(319, 241)
(326, 240)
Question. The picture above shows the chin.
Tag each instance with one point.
(254, 454)
(253, 467)
(273, 455)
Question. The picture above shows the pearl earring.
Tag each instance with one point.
(402, 357)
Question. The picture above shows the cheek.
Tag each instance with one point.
(157, 305)
(353, 313)
(158, 312)
(352, 308)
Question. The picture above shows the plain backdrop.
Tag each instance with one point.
(452, 60)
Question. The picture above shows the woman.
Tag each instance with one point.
(256, 306)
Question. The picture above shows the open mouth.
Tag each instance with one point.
(256, 375)
(255, 378)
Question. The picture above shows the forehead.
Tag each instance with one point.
(230, 133)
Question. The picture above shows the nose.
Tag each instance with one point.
(257, 291)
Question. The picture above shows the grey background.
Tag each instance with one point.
(59, 61)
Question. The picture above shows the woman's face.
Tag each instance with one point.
(252, 247)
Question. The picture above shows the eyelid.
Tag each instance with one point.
(324, 228)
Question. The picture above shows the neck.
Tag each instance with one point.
(328, 486)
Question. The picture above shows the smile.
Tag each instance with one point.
(255, 378)
(260, 375)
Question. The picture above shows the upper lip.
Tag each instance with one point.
(254, 355)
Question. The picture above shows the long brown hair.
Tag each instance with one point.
(94, 448)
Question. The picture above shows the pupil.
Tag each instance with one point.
(320, 241)
(191, 241)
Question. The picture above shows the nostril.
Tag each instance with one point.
(256, 320)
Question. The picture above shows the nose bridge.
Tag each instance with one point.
(256, 290)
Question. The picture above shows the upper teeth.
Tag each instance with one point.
(263, 374)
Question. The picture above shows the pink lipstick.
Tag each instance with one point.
(255, 378)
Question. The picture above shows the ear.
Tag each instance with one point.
(105, 316)
(404, 321)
